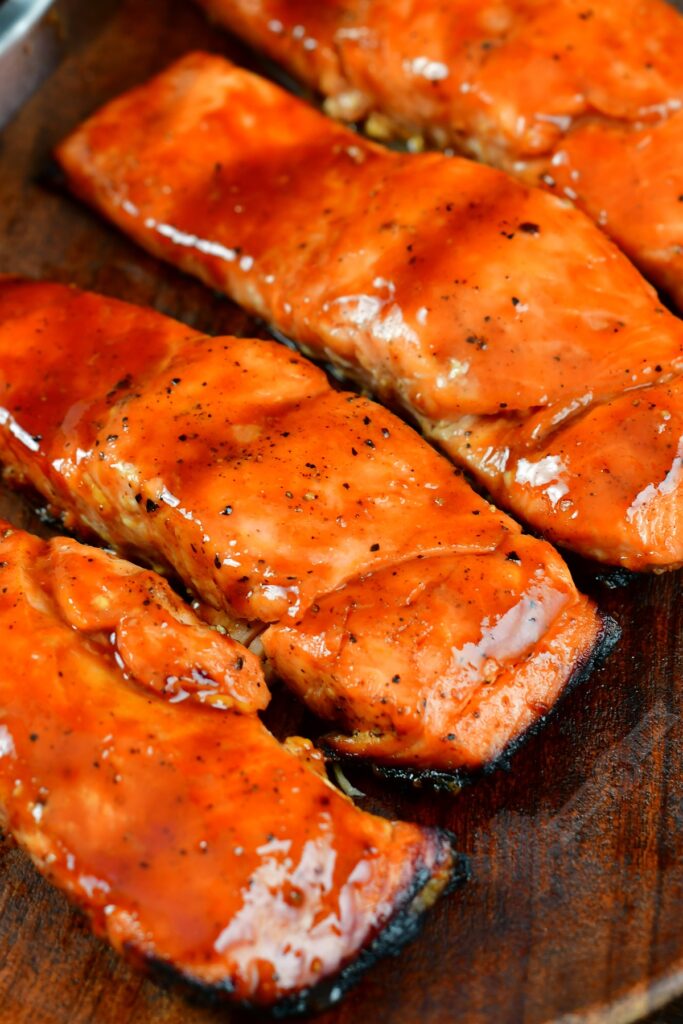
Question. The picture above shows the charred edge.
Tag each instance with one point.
(605, 642)
(52, 177)
(434, 779)
(587, 572)
(415, 778)
(399, 930)
(461, 869)
(451, 782)
(616, 578)
(424, 778)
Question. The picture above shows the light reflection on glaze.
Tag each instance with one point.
(6, 742)
(7, 420)
(547, 473)
(189, 241)
(649, 499)
(519, 629)
(432, 70)
(283, 892)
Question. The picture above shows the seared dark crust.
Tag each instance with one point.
(402, 928)
(616, 578)
(451, 782)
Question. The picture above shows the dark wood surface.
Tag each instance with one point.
(575, 909)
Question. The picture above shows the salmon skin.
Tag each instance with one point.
(393, 599)
(193, 840)
(584, 100)
(500, 317)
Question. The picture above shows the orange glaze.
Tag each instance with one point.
(188, 834)
(499, 316)
(580, 97)
(236, 463)
(155, 635)
(418, 667)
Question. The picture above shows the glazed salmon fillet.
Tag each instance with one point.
(390, 596)
(583, 99)
(192, 839)
(500, 317)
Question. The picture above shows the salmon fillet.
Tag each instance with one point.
(192, 839)
(500, 317)
(390, 596)
(584, 99)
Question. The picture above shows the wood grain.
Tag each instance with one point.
(575, 910)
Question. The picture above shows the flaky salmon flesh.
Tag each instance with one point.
(584, 100)
(384, 591)
(499, 316)
(192, 839)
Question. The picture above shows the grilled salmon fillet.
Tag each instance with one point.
(189, 835)
(584, 99)
(401, 604)
(500, 317)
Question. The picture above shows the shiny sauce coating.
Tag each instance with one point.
(583, 99)
(186, 832)
(499, 316)
(280, 500)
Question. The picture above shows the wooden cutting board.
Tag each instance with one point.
(575, 909)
